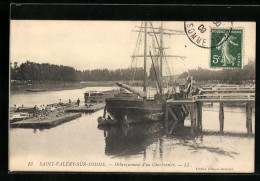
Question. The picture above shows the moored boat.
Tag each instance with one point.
(139, 110)
(19, 117)
(36, 90)
(99, 96)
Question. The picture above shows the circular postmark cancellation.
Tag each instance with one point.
(199, 32)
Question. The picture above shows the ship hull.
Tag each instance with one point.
(139, 110)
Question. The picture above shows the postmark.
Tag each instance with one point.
(227, 54)
(199, 33)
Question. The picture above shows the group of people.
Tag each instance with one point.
(61, 103)
(42, 110)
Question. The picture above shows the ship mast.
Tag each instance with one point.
(156, 31)
(161, 53)
(145, 48)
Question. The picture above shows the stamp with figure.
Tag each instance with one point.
(229, 52)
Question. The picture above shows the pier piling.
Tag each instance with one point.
(249, 119)
(199, 117)
(125, 122)
(221, 117)
(193, 108)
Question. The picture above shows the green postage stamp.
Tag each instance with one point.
(227, 52)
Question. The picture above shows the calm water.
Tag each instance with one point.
(128, 148)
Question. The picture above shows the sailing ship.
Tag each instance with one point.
(136, 106)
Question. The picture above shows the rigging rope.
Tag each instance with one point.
(136, 51)
(155, 72)
(154, 34)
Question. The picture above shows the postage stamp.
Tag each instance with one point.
(228, 53)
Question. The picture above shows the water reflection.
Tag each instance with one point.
(199, 147)
(132, 140)
(123, 141)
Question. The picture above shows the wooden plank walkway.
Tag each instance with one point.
(47, 122)
(229, 91)
(93, 108)
(239, 97)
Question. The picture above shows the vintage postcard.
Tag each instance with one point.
(132, 96)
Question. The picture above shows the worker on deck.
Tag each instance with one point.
(34, 110)
(182, 94)
(177, 93)
(43, 109)
(60, 103)
(52, 108)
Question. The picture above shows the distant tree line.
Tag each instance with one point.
(228, 75)
(112, 75)
(45, 71)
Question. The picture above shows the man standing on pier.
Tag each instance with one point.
(34, 110)
(43, 109)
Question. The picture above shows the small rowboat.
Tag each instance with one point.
(35, 90)
(106, 121)
(19, 117)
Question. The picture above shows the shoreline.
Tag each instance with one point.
(23, 91)
(12, 92)
(51, 86)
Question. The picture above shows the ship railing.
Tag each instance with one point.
(231, 97)
(215, 89)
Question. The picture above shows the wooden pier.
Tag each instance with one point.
(61, 114)
(194, 106)
(47, 122)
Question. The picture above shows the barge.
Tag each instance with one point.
(99, 96)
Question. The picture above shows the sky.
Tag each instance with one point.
(106, 44)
